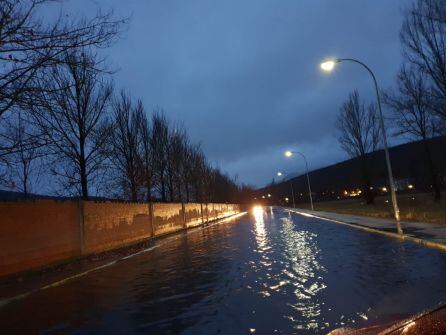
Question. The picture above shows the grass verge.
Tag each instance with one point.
(419, 207)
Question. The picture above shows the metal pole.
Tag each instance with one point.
(308, 178)
(292, 193)
(386, 149)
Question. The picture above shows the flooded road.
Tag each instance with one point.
(268, 273)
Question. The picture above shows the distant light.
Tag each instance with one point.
(255, 198)
(269, 195)
(410, 186)
(328, 65)
(286, 199)
(384, 189)
(371, 187)
(263, 197)
(279, 173)
(257, 210)
(288, 153)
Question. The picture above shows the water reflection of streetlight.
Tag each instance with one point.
(302, 269)
(258, 213)
(260, 232)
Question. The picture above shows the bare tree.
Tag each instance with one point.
(177, 148)
(414, 115)
(72, 117)
(23, 168)
(159, 145)
(196, 168)
(29, 45)
(124, 151)
(423, 37)
(190, 156)
(359, 131)
(146, 151)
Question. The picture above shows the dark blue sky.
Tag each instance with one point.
(243, 76)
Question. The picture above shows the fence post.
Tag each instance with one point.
(214, 209)
(183, 210)
(201, 211)
(151, 218)
(81, 226)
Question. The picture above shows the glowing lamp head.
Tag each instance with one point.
(288, 153)
(279, 174)
(328, 65)
(269, 195)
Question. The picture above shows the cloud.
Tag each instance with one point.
(243, 76)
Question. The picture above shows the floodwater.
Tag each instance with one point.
(268, 272)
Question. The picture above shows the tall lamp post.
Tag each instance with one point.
(329, 66)
(291, 185)
(291, 153)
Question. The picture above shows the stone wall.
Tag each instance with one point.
(167, 218)
(39, 233)
(110, 225)
(193, 213)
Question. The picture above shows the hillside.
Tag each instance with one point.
(330, 182)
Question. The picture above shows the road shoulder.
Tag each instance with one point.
(428, 234)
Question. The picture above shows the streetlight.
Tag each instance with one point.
(329, 66)
(292, 189)
(291, 153)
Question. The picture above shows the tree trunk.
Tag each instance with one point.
(25, 179)
(163, 188)
(83, 172)
(84, 184)
(134, 193)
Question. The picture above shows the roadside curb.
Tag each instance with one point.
(403, 237)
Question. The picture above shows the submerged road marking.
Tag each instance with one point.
(6, 301)
(403, 237)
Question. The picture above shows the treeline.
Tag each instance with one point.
(62, 122)
(418, 104)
